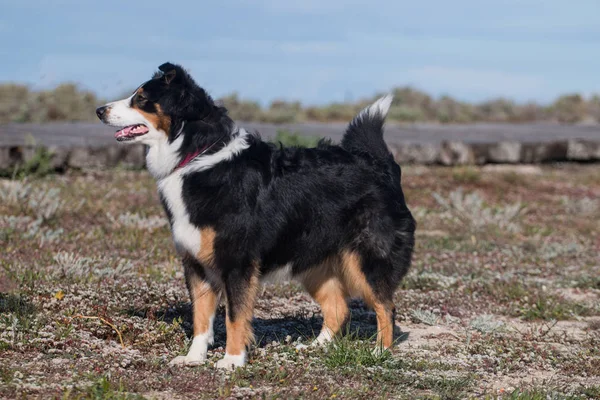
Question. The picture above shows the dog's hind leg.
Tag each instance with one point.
(205, 299)
(327, 290)
(380, 299)
(241, 287)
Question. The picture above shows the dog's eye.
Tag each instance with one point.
(141, 98)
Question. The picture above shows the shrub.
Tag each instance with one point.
(68, 102)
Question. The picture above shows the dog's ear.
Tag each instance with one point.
(169, 72)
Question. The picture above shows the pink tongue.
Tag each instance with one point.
(124, 132)
(131, 131)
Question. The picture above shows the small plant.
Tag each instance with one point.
(486, 324)
(425, 316)
(552, 250)
(44, 202)
(38, 165)
(471, 211)
(136, 221)
(102, 389)
(77, 268)
(582, 206)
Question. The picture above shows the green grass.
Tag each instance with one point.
(294, 139)
(349, 351)
(538, 394)
(545, 307)
(466, 175)
(17, 305)
(102, 389)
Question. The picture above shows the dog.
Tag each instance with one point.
(241, 209)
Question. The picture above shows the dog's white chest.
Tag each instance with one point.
(185, 234)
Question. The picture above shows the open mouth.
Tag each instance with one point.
(130, 132)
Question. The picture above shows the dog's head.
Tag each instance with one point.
(158, 109)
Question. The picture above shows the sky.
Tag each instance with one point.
(315, 51)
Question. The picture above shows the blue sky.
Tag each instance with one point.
(315, 51)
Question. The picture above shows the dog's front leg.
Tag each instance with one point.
(241, 286)
(205, 299)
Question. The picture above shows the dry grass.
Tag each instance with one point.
(488, 311)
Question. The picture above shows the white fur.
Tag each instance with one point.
(325, 336)
(185, 234)
(162, 156)
(199, 348)
(233, 148)
(379, 108)
(232, 362)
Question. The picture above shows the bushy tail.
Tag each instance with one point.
(365, 132)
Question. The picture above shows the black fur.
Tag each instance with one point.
(271, 206)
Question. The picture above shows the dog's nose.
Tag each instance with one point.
(100, 111)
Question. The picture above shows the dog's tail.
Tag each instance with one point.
(365, 132)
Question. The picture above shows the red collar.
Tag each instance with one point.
(189, 157)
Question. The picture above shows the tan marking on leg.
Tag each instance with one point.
(239, 331)
(204, 304)
(207, 246)
(357, 284)
(328, 290)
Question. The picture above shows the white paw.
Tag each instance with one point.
(379, 350)
(231, 362)
(301, 346)
(324, 337)
(187, 360)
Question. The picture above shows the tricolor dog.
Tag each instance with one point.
(240, 209)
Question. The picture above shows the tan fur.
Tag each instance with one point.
(327, 290)
(204, 302)
(160, 121)
(356, 283)
(207, 246)
(239, 331)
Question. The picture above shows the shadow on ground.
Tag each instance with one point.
(362, 324)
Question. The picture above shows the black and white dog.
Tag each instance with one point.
(241, 209)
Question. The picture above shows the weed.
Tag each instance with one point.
(471, 211)
(37, 166)
(428, 281)
(546, 307)
(136, 221)
(539, 394)
(102, 389)
(587, 282)
(78, 268)
(582, 206)
(16, 305)
(45, 203)
(466, 175)
(553, 250)
(486, 324)
(425, 316)
(349, 351)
